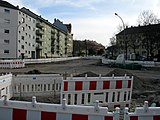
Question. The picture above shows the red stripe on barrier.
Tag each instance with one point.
(156, 117)
(19, 114)
(48, 115)
(108, 118)
(93, 85)
(65, 86)
(133, 117)
(106, 84)
(79, 117)
(118, 84)
(78, 85)
(129, 83)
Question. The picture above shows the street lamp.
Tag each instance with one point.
(17, 38)
(123, 35)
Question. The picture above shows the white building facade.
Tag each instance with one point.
(8, 26)
(17, 33)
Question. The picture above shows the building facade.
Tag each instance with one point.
(25, 34)
(143, 41)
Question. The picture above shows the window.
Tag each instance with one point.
(29, 44)
(23, 29)
(33, 29)
(29, 36)
(26, 51)
(29, 27)
(22, 46)
(6, 31)
(23, 20)
(19, 12)
(6, 51)
(34, 21)
(6, 11)
(29, 52)
(22, 37)
(6, 41)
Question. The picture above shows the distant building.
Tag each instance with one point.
(24, 34)
(144, 41)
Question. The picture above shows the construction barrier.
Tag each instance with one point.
(12, 64)
(110, 91)
(6, 86)
(18, 110)
(143, 113)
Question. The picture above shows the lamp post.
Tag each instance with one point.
(17, 38)
(125, 42)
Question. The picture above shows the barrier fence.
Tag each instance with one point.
(18, 110)
(12, 64)
(143, 113)
(110, 91)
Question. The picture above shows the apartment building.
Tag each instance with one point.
(25, 34)
(144, 41)
(17, 33)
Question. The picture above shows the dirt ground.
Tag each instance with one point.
(146, 81)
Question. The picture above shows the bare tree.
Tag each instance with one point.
(147, 17)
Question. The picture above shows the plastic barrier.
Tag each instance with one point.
(110, 91)
(12, 64)
(18, 110)
(143, 113)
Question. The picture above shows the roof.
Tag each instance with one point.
(140, 29)
(60, 25)
(8, 5)
(57, 23)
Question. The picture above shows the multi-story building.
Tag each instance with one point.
(25, 34)
(141, 40)
(17, 33)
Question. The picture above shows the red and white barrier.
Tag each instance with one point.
(110, 91)
(18, 110)
(12, 64)
(6, 86)
(143, 113)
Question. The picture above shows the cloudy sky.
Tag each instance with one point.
(91, 19)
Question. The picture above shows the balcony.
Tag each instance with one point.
(39, 39)
(39, 32)
(39, 47)
(39, 25)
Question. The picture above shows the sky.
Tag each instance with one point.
(91, 19)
